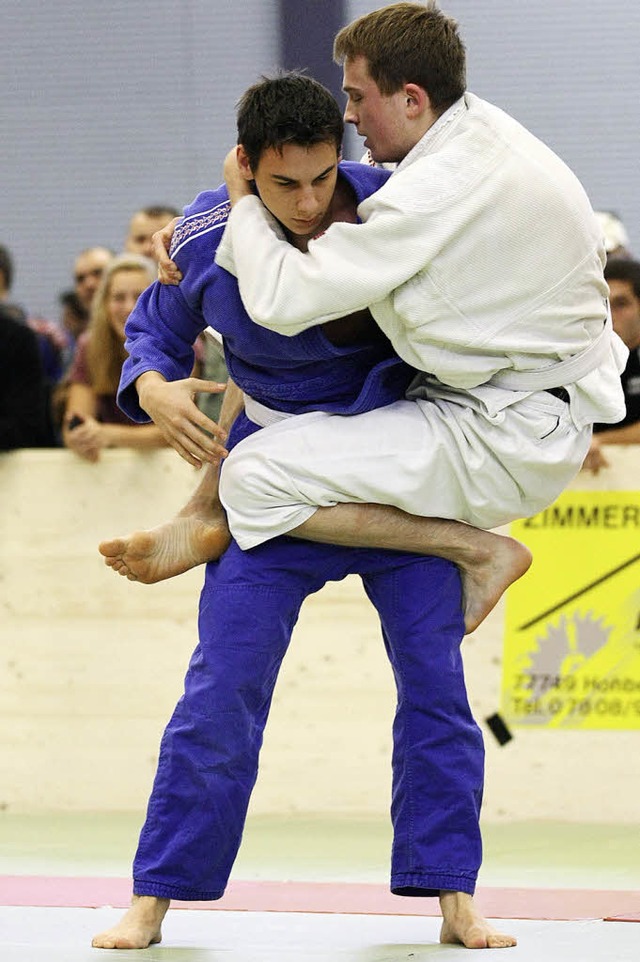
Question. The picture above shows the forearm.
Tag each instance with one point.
(349, 267)
(145, 385)
(268, 279)
(629, 434)
(283, 289)
(138, 436)
(81, 403)
(206, 494)
(232, 405)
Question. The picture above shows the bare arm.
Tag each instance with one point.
(596, 458)
(84, 434)
(232, 405)
(78, 421)
(138, 436)
(629, 434)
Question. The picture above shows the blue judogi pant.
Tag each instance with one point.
(209, 752)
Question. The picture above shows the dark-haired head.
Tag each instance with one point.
(290, 108)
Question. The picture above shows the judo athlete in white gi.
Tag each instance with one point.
(482, 261)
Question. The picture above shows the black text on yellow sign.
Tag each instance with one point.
(572, 630)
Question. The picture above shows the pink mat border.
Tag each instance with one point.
(328, 898)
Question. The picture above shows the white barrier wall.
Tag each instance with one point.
(91, 666)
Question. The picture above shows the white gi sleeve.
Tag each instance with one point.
(349, 267)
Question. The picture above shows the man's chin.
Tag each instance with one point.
(375, 155)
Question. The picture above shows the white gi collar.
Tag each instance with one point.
(435, 134)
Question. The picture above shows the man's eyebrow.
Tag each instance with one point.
(283, 177)
(327, 170)
(293, 180)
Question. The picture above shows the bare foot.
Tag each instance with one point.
(464, 925)
(484, 582)
(138, 928)
(168, 550)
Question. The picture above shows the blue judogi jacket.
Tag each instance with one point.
(296, 374)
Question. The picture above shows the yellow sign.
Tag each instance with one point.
(572, 631)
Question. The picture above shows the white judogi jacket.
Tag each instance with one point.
(480, 259)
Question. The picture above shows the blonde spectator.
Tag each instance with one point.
(92, 419)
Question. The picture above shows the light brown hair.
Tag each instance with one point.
(408, 43)
(105, 350)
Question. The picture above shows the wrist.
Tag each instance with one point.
(107, 436)
(145, 383)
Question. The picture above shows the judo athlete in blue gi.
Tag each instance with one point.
(250, 600)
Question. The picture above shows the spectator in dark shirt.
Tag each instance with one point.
(623, 278)
(50, 337)
(24, 414)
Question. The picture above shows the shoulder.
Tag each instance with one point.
(633, 365)
(81, 348)
(363, 178)
(49, 331)
(203, 222)
(78, 370)
(16, 333)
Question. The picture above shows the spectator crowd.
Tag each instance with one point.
(58, 379)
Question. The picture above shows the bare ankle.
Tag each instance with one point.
(152, 903)
(207, 509)
(140, 927)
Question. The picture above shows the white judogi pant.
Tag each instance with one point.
(434, 458)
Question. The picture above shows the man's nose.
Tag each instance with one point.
(308, 203)
(350, 116)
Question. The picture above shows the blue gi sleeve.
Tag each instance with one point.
(164, 324)
(160, 334)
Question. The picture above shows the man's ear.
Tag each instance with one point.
(417, 100)
(243, 163)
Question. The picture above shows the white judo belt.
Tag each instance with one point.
(262, 415)
(562, 372)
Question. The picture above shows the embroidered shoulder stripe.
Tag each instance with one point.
(198, 224)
